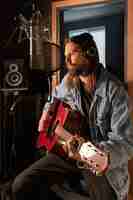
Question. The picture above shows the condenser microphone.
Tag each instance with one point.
(22, 19)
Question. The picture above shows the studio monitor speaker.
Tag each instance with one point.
(14, 75)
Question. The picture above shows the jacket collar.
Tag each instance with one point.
(101, 84)
(100, 91)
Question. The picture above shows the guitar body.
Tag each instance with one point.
(60, 113)
(66, 126)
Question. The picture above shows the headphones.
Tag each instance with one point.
(91, 52)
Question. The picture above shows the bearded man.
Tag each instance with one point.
(101, 98)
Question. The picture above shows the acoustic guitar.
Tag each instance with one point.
(66, 127)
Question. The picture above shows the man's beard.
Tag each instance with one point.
(81, 70)
(72, 79)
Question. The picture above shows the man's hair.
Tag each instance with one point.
(87, 45)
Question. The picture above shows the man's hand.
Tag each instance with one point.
(73, 146)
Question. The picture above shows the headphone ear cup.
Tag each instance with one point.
(92, 51)
(87, 53)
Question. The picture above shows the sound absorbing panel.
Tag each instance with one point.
(21, 110)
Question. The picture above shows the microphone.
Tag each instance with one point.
(22, 19)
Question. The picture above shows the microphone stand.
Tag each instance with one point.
(9, 100)
(12, 111)
(11, 37)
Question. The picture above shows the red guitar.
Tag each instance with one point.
(66, 126)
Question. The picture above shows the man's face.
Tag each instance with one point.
(74, 57)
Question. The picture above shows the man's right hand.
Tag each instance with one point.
(41, 122)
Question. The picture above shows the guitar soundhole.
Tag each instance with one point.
(51, 113)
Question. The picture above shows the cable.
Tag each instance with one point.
(50, 89)
(37, 4)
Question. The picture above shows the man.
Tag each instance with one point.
(102, 99)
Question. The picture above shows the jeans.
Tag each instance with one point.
(36, 181)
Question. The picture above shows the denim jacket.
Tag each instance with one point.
(112, 117)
